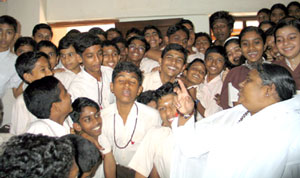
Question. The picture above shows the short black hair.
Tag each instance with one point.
(147, 96)
(266, 22)
(134, 30)
(259, 31)
(30, 155)
(41, 26)
(26, 62)
(110, 43)
(120, 40)
(127, 67)
(84, 41)
(216, 49)
(194, 61)
(78, 106)
(279, 6)
(280, 77)
(221, 15)
(65, 43)
(148, 27)
(40, 95)
(140, 38)
(22, 41)
(293, 23)
(97, 31)
(293, 3)
(200, 34)
(175, 47)
(264, 10)
(6, 19)
(165, 89)
(86, 154)
(48, 44)
(73, 33)
(114, 30)
(186, 21)
(177, 27)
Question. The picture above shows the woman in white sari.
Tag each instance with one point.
(258, 138)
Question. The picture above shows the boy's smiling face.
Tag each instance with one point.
(126, 87)
(172, 63)
(90, 122)
(110, 56)
(166, 109)
(41, 69)
(7, 35)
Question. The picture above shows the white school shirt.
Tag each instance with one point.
(266, 144)
(191, 57)
(148, 64)
(48, 127)
(206, 93)
(151, 81)
(21, 117)
(146, 119)
(85, 85)
(156, 148)
(8, 75)
(65, 77)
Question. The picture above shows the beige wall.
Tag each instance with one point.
(31, 12)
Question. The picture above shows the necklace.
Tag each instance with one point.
(244, 115)
(130, 140)
(100, 94)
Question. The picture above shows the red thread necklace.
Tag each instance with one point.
(130, 140)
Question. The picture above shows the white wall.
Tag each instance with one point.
(31, 12)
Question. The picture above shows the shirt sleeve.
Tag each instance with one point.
(103, 141)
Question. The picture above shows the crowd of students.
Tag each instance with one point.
(142, 105)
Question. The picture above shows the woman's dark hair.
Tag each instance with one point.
(252, 29)
(280, 77)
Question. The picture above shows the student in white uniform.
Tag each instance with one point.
(93, 81)
(172, 63)
(111, 54)
(87, 122)
(126, 122)
(30, 66)
(49, 101)
(259, 138)
(70, 61)
(212, 85)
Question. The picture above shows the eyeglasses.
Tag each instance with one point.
(133, 47)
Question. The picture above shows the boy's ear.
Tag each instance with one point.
(183, 67)
(27, 77)
(111, 87)
(77, 127)
(159, 61)
(78, 58)
(140, 90)
(166, 38)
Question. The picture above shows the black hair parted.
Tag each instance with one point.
(280, 77)
(148, 27)
(221, 15)
(65, 43)
(6, 19)
(284, 23)
(140, 38)
(127, 67)
(40, 95)
(46, 43)
(79, 104)
(35, 156)
(41, 26)
(147, 96)
(86, 154)
(107, 43)
(257, 30)
(216, 49)
(177, 27)
(175, 47)
(22, 41)
(200, 34)
(84, 41)
(25, 63)
(165, 89)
